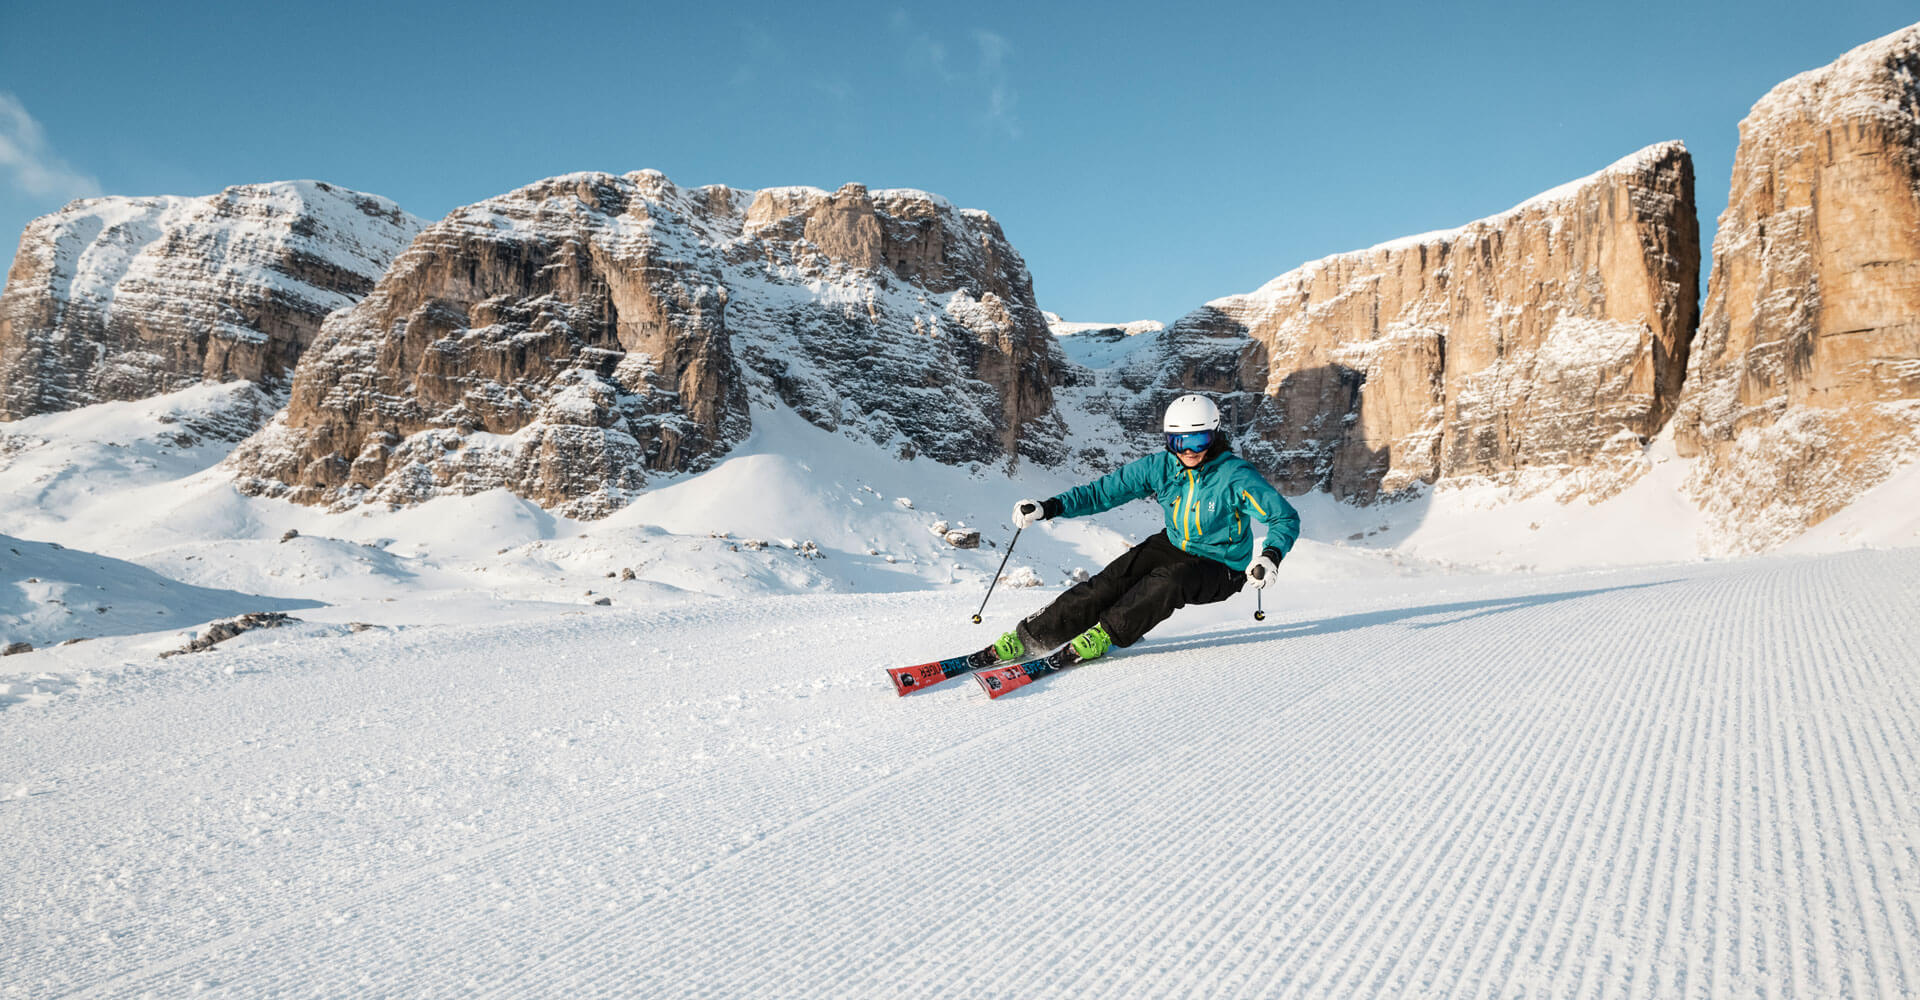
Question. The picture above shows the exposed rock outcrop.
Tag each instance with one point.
(1804, 390)
(220, 631)
(1539, 348)
(573, 339)
(939, 351)
(126, 298)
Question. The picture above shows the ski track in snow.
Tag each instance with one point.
(1683, 781)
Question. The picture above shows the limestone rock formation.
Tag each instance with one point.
(125, 298)
(575, 339)
(1804, 389)
(1539, 348)
(939, 350)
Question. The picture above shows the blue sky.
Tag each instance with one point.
(1143, 159)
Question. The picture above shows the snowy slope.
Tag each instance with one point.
(49, 593)
(1667, 781)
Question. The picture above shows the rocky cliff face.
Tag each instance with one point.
(1538, 348)
(574, 339)
(1804, 389)
(124, 298)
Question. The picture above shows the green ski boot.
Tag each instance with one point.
(1089, 645)
(1006, 649)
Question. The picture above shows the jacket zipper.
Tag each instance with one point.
(1185, 535)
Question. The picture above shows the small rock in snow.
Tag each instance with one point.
(963, 539)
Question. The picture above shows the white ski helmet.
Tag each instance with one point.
(1191, 413)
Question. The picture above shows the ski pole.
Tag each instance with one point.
(996, 574)
(1258, 615)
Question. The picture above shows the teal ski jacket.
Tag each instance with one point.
(1210, 510)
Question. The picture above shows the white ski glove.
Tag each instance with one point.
(1260, 571)
(1027, 513)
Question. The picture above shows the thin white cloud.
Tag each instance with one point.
(919, 49)
(993, 74)
(29, 164)
(993, 52)
(757, 49)
(986, 79)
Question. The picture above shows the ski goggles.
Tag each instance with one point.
(1190, 441)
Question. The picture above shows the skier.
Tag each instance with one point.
(1211, 497)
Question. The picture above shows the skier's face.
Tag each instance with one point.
(1190, 459)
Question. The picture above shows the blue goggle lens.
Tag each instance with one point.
(1190, 441)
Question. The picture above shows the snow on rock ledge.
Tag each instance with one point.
(127, 298)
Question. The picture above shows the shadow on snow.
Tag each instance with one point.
(1450, 614)
(1454, 613)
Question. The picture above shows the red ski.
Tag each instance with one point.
(1001, 680)
(907, 680)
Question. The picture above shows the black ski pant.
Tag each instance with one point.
(1133, 594)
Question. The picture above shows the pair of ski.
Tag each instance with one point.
(995, 681)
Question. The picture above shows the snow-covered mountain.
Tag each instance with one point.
(125, 298)
(579, 339)
(593, 343)
(592, 337)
